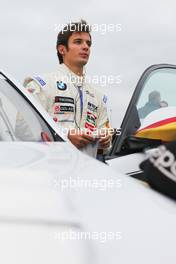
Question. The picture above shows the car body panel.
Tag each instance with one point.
(34, 215)
(129, 208)
(120, 163)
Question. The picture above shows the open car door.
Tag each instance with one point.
(151, 115)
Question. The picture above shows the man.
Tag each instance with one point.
(154, 102)
(65, 94)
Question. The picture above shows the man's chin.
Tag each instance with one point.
(82, 63)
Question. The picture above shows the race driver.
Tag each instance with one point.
(66, 94)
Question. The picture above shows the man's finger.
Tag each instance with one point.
(105, 138)
(90, 138)
(83, 142)
(104, 144)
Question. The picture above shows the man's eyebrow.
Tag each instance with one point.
(82, 39)
(78, 39)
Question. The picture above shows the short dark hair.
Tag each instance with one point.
(67, 31)
(153, 96)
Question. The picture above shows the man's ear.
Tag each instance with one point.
(61, 49)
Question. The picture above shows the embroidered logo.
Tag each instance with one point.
(61, 86)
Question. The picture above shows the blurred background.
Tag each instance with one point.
(144, 34)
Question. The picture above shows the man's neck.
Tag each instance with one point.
(75, 69)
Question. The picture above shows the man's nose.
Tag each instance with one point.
(85, 46)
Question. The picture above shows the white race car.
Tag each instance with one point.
(60, 206)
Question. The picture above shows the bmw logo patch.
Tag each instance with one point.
(61, 85)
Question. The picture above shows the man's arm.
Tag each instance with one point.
(37, 91)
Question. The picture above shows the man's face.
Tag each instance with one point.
(78, 50)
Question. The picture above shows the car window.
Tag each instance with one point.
(18, 120)
(158, 91)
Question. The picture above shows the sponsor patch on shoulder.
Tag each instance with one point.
(105, 98)
(40, 80)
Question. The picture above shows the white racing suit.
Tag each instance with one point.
(69, 99)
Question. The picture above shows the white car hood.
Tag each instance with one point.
(144, 219)
(127, 164)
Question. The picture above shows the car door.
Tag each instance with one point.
(158, 83)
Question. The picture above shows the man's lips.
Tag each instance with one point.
(84, 55)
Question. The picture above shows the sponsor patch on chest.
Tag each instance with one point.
(61, 85)
(90, 94)
(91, 107)
(63, 109)
(62, 99)
(90, 121)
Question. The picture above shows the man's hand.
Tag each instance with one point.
(105, 138)
(80, 139)
(105, 141)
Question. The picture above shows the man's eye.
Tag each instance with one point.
(89, 43)
(78, 41)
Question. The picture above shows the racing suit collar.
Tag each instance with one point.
(75, 79)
